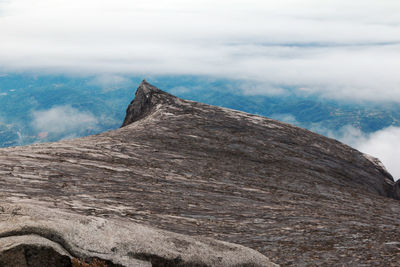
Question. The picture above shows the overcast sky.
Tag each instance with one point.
(339, 48)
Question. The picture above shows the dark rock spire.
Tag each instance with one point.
(146, 98)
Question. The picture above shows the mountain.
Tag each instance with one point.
(180, 175)
(32, 105)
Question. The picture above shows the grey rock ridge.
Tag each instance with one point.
(180, 175)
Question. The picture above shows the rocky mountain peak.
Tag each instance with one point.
(147, 89)
(146, 98)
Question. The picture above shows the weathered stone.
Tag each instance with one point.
(32, 251)
(146, 99)
(295, 196)
(31, 235)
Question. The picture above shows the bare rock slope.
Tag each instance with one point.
(193, 171)
(31, 235)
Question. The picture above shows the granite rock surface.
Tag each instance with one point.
(31, 235)
(296, 197)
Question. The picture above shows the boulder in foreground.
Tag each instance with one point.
(35, 236)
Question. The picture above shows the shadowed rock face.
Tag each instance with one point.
(194, 169)
(146, 98)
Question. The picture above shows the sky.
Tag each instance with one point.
(338, 49)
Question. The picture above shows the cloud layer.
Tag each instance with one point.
(62, 120)
(383, 144)
(341, 49)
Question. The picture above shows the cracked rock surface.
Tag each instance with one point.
(296, 197)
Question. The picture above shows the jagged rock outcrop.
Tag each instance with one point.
(146, 98)
(295, 196)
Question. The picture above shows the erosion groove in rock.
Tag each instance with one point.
(295, 196)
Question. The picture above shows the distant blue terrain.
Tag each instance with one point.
(43, 108)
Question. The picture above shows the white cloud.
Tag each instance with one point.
(109, 81)
(63, 120)
(338, 48)
(383, 144)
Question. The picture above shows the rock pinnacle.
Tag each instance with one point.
(146, 97)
